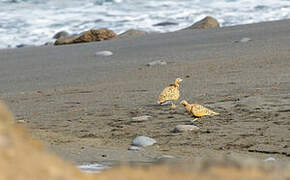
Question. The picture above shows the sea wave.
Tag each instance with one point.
(36, 21)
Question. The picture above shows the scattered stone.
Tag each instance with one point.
(158, 62)
(184, 128)
(61, 34)
(245, 39)
(269, 159)
(207, 22)
(165, 24)
(131, 33)
(104, 53)
(88, 36)
(93, 168)
(134, 148)
(141, 118)
(143, 141)
(165, 158)
(23, 45)
(20, 121)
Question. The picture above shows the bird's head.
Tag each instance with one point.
(183, 102)
(178, 81)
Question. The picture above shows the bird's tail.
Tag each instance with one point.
(214, 113)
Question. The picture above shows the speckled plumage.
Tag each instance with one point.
(198, 110)
(170, 93)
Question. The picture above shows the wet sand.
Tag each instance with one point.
(81, 106)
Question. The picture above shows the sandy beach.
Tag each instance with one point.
(81, 105)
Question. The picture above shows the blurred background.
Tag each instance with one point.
(34, 22)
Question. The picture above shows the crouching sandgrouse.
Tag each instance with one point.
(197, 110)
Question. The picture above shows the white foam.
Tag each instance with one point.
(36, 21)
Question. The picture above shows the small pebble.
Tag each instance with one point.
(134, 148)
(243, 40)
(183, 128)
(165, 158)
(269, 159)
(20, 121)
(143, 141)
(104, 53)
(141, 118)
(159, 62)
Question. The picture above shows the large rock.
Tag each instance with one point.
(207, 22)
(88, 36)
(95, 35)
(131, 33)
(21, 157)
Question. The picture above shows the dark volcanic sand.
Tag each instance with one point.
(82, 106)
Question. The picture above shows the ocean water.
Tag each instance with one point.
(34, 22)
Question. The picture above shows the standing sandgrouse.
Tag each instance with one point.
(197, 110)
(170, 93)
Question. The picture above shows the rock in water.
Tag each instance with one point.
(165, 24)
(184, 128)
(88, 36)
(131, 33)
(104, 53)
(64, 40)
(61, 34)
(143, 141)
(207, 22)
(95, 35)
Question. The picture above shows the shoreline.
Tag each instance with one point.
(51, 42)
(81, 106)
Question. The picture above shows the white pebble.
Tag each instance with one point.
(104, 53)
(134, 148)
(245, 39)
(269, 159)
(183, 128)
(159, 62)
(143, 141)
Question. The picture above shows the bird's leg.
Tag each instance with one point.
(173, 106)
(195, 119)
